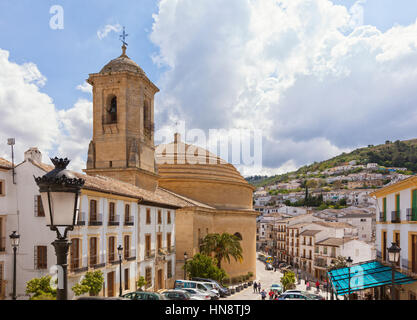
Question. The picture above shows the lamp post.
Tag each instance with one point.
(349, 265)
(15, 240)
(60, 192)
(185, 265)
(120, 252)
(393, 258)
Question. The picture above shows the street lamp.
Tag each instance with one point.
(393, 258)
(120, 252)
(349, 265)
(185, 265)
(60, 191)
(15, 240)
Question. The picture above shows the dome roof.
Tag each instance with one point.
(122, 63)
(201, 175)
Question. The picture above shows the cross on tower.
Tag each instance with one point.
(123, 37)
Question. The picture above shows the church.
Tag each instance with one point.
(218, 198)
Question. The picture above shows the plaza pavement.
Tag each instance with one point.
(267, 278)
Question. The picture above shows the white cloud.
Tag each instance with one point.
(307, 72)
(85, 87)
(31, 117)
(103, 32)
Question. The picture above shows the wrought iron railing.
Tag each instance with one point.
(97, 261)
(395, 217)
(96, 220)
(382, 216)
(412, 214)
(149, 254)
(114, 220)
(130, 255)
(78, 265)
(81, 219)
(129, 221)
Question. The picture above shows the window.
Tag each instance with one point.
(41, 255)
(111, 249)
(112, 216)
(159, 242)
(169, 241)
(93, 251)
(159, 217)
(39, 212)
(93, 210)
(127, 279)
(325, 250)
(147, 245)
(148, 277)
(75, 254)
(384, 209)
(169, 269)
(127, 246)
(111, 115)
(148, 216)
(169, 217)
(127, 213)
(2, 191)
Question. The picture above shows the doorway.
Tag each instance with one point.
(110, 284)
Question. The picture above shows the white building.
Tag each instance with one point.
(112, 213)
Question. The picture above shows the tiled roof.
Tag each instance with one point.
(6, 164)
(337, 225)
(309, 233)
(336, 242)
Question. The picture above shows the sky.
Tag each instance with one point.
(318, 77)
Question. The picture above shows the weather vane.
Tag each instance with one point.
(123, 37)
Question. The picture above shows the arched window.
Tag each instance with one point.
(238, 235)
(111, 110)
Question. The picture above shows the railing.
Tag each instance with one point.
(149, 254)
(114, 220)
(382, 216)
(395, 217)
(129, 221)
(3, 244)
(96, 220)
(78, 265)
(320, 263)
(412, 214)
(130, 255)
(81, 219)
(97, 261)
(113, 258)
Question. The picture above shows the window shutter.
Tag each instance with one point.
(35, 258)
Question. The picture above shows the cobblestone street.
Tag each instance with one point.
(267, 278)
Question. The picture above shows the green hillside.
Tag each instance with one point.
(390, 154)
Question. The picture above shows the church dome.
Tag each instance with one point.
(201, 175)
(121, 64)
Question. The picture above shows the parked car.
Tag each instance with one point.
(222, 290)
(282, 265)
(201, 295)
(294, 296)
(177, 294)
(276, 288)
(204, 286)
(269, 266)
(101, 298)
(315, 296)
(142, 295)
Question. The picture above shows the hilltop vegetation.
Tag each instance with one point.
(391, 154)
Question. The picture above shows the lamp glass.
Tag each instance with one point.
(349, 262)
(15, 239)
(61, 209)
(120, 250)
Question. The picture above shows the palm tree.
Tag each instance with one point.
(223, 246)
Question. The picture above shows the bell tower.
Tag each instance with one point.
(123, 124)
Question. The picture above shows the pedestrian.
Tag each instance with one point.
(308, 285)
(259, 286)
(263, 294)
(255, 287)
(318, 285)
(271, 294)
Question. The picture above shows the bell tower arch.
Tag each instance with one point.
(123, 124)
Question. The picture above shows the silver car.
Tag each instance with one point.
(199, 294)
(294, 296)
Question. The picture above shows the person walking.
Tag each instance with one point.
(259, 286)
(318, 286)
(255, 287)
(308, 285)
(271, 294)
(263, 294)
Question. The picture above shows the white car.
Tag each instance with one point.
(198, 294)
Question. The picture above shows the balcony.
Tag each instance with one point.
(129, 221)
(3, 244)
(82, 217)
(113, 258)
(382, 216)
(149, 254)
(320, 263)
(395, 217)
(78, 265)
(114, 220)
(412, 214)
(96, 220)
(130, 255)
(97, 261)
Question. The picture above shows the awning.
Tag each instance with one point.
(363, 276)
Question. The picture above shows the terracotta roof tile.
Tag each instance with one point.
(6, 164)
(336, 242)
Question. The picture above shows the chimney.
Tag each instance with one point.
(33, 154)
(177, 138)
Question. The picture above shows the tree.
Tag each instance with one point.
(91, 283)
(288, 281)
(223, 246)
(338, 263)
(141, 283)
(41, 289)
(203, 266)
